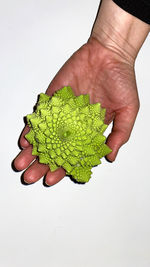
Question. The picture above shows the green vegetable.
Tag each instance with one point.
(67, 131)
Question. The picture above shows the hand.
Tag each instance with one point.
(109, 79)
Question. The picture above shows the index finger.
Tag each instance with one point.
(22, 140)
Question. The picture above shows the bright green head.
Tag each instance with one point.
(67, 131)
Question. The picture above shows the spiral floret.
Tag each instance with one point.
(67, 131)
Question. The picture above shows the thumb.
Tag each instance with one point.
(122, 126)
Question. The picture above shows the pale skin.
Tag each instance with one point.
(104, 69)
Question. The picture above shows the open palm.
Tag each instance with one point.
(109, 79)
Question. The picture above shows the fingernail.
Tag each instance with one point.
(46, 184)
(110, 161)
(23, 181)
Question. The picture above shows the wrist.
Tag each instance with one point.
(119, 31)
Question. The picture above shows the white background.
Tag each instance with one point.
(105, 222)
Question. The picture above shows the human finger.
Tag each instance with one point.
(35, 172)
(54, 177)
(22, 140)
(24, 159)
(121, 130)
